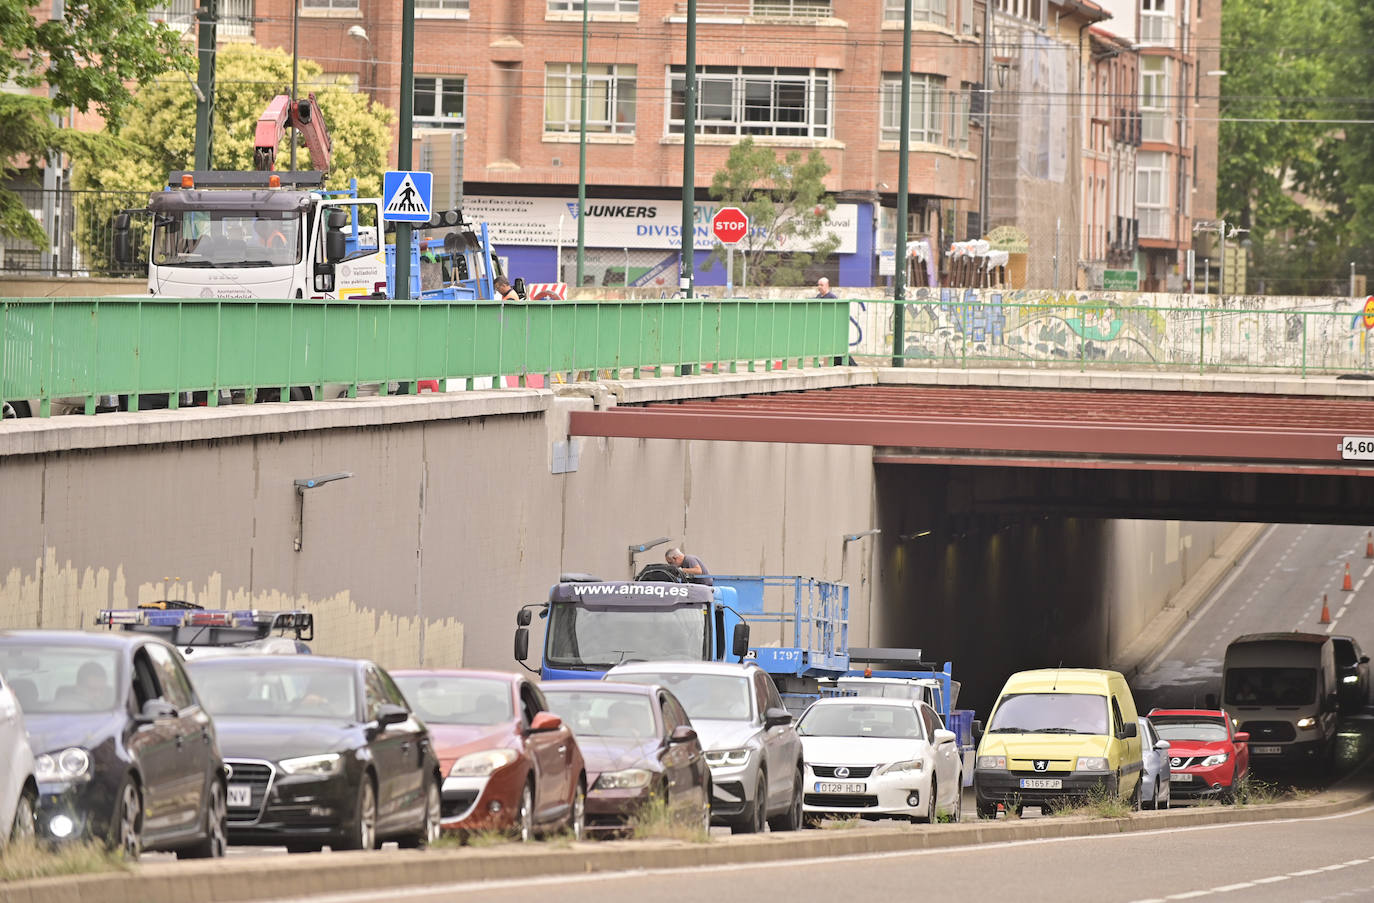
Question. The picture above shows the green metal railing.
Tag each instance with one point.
(983, 330)
(86, 348)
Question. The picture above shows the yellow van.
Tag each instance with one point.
(1056, 734)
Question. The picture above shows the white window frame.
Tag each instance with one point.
(960, 107)
(619, 7)
(1152, 195)
(936, 12)
(790, 9)
(602, 115)
(326, 7)
(1156, 107)
(714, 83)
(927, 108)
(1157, 25)
(439, 121)
(438, 9)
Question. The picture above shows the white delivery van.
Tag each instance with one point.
(1281, 689)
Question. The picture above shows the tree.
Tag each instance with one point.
(787, 206)
(88, 58)
(161, 123)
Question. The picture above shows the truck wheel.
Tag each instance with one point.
(14, 410)
(753, 821)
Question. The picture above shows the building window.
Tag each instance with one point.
(965, 17)
(1031, 10)
(791, 9)
(610, 98)
(932, 11)
(1156, 23)
(1154, 98)
(959, 107)
(235, 17)
(348, 5)
(438, 103)
(442, 6)
(749, 100)
(1151, 195)
(927, 106)
(630, 7)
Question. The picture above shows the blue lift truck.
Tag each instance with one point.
(594, 625)
(201, 632)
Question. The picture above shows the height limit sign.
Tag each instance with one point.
(729, 225)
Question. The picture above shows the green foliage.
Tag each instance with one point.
(25, 859)
(787, 206)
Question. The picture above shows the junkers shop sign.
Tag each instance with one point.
(618, 223)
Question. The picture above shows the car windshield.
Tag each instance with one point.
(227, 238)
(1202, 730)
(1271, 686)
(857, 720)
(719, 697)
(230, 688)
(603, 714)
(55, 679)
(1050, 713)
(458, 700)
(597, 640)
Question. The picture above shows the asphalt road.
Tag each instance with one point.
(1296, 860)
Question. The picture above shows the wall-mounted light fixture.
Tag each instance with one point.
(303, 484)
(644, 547)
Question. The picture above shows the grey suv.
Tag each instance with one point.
(753, 750)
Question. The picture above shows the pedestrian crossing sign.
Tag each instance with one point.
(406, 196)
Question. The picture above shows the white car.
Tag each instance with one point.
(18, 789)
(879, 757)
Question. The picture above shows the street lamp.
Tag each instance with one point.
(357, 32)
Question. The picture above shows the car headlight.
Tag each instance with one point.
(71, 764)
(1092, 763)
(329, 763)
(481, 764)
(727, 758)
(1350, 679)
(1213, 761)
(908, 766)
(992, 762)
(1307, 723)
(629, 779)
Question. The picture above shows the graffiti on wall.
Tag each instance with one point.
(954, 326)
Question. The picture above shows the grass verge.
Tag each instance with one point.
(1097, 804)
(25, 859)
(654, 820)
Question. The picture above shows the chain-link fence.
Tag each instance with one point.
(79, 226)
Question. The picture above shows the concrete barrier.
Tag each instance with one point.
(235, 880)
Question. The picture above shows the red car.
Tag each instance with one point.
(508, 763)
(1207, 758)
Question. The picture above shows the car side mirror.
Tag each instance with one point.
(545, 721)
(155, 710)
(335, 246)
(977, 730)
(522, 618)
(519, 286)
(122, 243)
(776, 717)
(1128, 731)
(943, 736)
(522, 643)
(1243, 737)
(1161, 745)
(683, 733)
(1364, 659)
(739, 642)
(388, 714)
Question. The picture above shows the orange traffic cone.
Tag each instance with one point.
(1345, 584)
(1326, 612)
(1369, 544)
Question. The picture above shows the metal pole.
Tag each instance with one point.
(1221, 270)
(205, 84)
(295, 73)
(582, 155)
(1352, 278)
(904, 152)
(983, 200)
(730, 271)
(689, 136)
(405, 154)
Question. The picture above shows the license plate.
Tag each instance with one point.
(1266, 750)
(1180, 779)
(1042, 783)
(850, 787)
(240, 796)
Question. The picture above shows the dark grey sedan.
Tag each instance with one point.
(123, 750)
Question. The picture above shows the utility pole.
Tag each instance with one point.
(405, 154)
(207, 18)
(899, 272)
(689, 136)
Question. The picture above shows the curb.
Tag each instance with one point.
(244, 880)
(1194, 593)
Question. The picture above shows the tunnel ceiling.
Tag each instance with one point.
(1038, 428)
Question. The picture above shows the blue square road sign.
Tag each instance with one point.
(407, 196)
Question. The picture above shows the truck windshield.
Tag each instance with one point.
(1271, 686)
(597, 640)
(1050, 713)
(221, 239)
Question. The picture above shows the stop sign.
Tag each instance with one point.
(729, 225)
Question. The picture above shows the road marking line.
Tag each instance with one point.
(1304, 873)
(1358, 585)
(1369, 570)
(1192, 894)
(1273, 879)
(1330, 627)
(1227, 888)
(1340, 614)
(579, 878)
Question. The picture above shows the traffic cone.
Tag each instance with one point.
(1326, 612)
(1345, 584)
(1369, 544)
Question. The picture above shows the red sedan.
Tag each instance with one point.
(509, 764)
(1207, 757)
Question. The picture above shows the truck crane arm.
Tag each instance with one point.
(302, 115)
